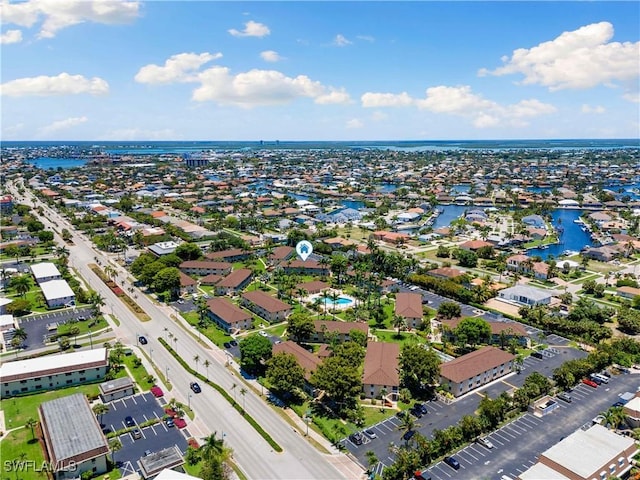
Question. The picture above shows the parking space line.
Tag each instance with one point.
(134, 399)
(476, 450)
(439, 468)
(502, 430)
(517, 427)
(512, 430)
(528, 421)
(493, 439)
(470, 454)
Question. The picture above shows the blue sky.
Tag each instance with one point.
(133, 70)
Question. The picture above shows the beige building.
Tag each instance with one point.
(341, 328)
(593, 454)
(227, 316)
(475, 369)
(409, 307)
(202, 268)
(381, 370)
(73, 437)
(234, 282)
(266, 306)
(53, 371)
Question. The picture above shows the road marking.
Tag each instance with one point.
(496, 440)
(502, 430)
(134, 400)
(528, 422)
(471, 455)
(476, 450)
(440, 468)
(507, 383)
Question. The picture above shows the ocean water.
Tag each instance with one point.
(571, 238)
(48, 163)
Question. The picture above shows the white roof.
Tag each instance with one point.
(44, 270)
(585, 451)
(49, 362)
(540, 471)
(168, 474)
(526, 291)
(5, 301)
(54, 289)
(6, 320)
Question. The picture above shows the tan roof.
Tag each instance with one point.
(305, 359)
(211, 279)
(381, 364)
(235, 278)
(310, 264)
(227, 311)
(314, 286)
(234, 252)
(409, 305)
(629, 290)
(340, 327)
(474, 363)
(186, 280)
(263, 300)
(280, 253)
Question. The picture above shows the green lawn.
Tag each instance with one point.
(405, 337)
(18, 410)
(139, 373)
(20, 446)
(96, 324)
(212, 332)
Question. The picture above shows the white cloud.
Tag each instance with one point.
(11, 36)
(251, 29)
(633, 97)
(270, 56)
(354, 123)
(461, 101)
(366, 38)
(63, 84)
(582, 58)
(334, 96)
(378, 116)
(374, 100)
(589, 109)
(182, 67)
(62, 125)
(59, 14)
(341, 41)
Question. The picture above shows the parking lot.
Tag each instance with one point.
(518, 444)
(36, 326)
(154, 438)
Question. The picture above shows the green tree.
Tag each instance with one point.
(21, 284)
(466, 258)
(188, 251)
(300, 326)
(255, 350)
(449, 310)
(358, 336)
(407, 424)
(19, 306)
(45, 235)
(100, 409)
(115, 445)
(31, 423)
(167, 279)
(340, 380)
(419, 367)
(472, 330)
(339, 264)
(284, 375)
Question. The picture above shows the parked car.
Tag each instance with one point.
(408, 435)
(157, 391)
(356, 438)
(618, 404)
(598, 419)
(591, 383)
(485, 442)
(370, 433)
(452, 462)
(537, 355)
(416, 412)
(564, 396)
(147, 453)
(128, 421)
(233, 343)
(142, 340)
(136, 433)
(227, 344)
(169, 422)
(195, 387)
(422, 407)
(263, 333)
(595, 379)
(602, 378)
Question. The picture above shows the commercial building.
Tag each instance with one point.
(227, 316)
(593, 454)
(381, 367)
(57, 293)
(152, 465)
(475, 369)
(73, 437)
(266, 306)
(409, 307)
(163, 248)
(53, 371)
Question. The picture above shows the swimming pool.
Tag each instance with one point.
(339, 301)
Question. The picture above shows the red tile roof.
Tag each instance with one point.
(474, 363)
(381, 364)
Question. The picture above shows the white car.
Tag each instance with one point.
(263, 333)
(485, 442)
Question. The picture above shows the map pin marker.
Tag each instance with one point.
(304, 249)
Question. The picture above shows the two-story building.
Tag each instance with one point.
(203, 268)
(266, 306)
(228, 316)
(409, 307)
(342, 329)
(45, 271)
(381, 370)
(234, 282)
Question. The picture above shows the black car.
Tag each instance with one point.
(452, 462)
(227, 344)
(408, 435)
(195, 387)
(416, 412)
(537, 355)
(422, 407)
(128, 421)
(233, 343)
(356, 438)
(142, 340)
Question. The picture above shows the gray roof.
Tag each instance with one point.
(532, 293)
(116, 384)
(158, 461)
(73, 430)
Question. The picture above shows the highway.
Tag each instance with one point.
(251, 452)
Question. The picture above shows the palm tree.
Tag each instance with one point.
(325, 296)
(400, 323)
(196, 359)
(408, 424)
(233, 387)
(20, 334)
(22, 284)
(213, 447)
(100, 409)
(243, 392)
(334, 299)
(96, 300)
(206, 366)
(115, 445)
(74, 331)
(175, 343)
(31, 423)
(614, 417)
(166, 329)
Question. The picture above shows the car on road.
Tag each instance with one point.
(128, 421)
(485, 442)
(142, 340)
(356, 438)
(147, 453)
(157, 391)
(195, 387)
(370, 433)
(263, 333)
(452, 462)
(565, 396)
(591, 383)
(169, 422)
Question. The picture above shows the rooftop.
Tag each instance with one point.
(44, 270)
(54, 289)
(381, 364)
(49, 364)
(474, 363)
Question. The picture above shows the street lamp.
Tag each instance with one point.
(189, 401)
(151, 355)
(306, 420)
(166, 371)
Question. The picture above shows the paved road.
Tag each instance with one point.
(298, 461)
